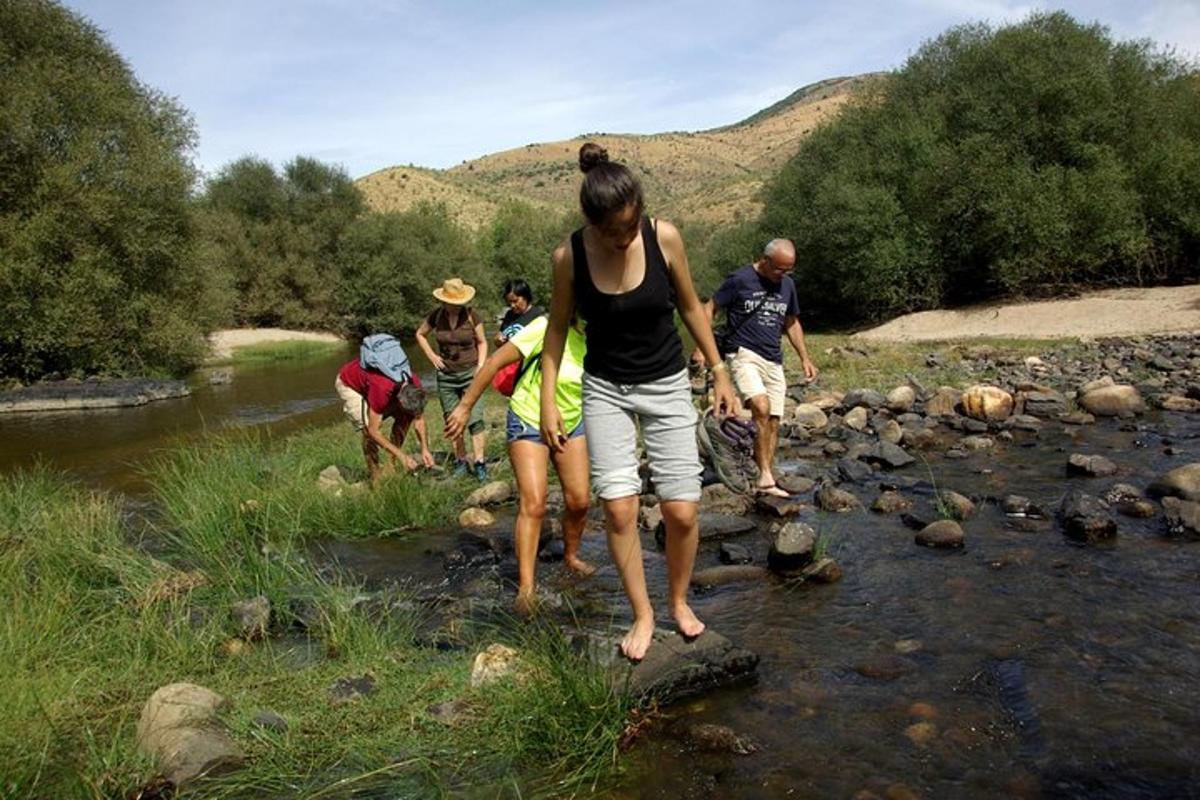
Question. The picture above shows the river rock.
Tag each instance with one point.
(1085, 519)
(825, 401)
(856, 419)
(851, 469)
(987, 403)
(1138, 507)
(1182, 482)
(943, 534)
(831, 498)
(957, 506)
(919, 438)
(674, 667)
(773, 506)
(719, 739)
(718, 498)
(1094, 466)
(1077, 418)
(180, 731)
(891, 503)
(347, 690)
(650, 517)
(944, 403)
(1183, 516)
(490, 494)
(1117, 400)
(977, 442)
(252, 617)
(860, 398)
(901, 399)
(495, 663)
(888, 454)
(795, 484)
(792, 548)
(730, 553)
(732, 573)
(810, 416)
(884, 667)
(476, 518)
(921, 734)
(1025, 422)
(823, 570)
(331, 480)
(1172, 402)
(890, 432)
(1044, 403)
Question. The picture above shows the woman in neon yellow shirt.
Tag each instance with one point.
(530, 455)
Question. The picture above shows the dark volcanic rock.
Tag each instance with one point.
(779, 506)
(1045, 404)
(1085, 519)
(731, 553)
(853, 470)
(889, 455)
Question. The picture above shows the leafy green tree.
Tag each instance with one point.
(390, 264)
(1028, 159)
(518, 244)
(97, 266)
(277, 237)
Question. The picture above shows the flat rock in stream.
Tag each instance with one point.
(733, 573)
(674, 667)
(87, 395)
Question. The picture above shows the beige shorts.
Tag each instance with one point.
(754, 375)
(352, 404)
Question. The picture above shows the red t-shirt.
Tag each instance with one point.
(378, 388)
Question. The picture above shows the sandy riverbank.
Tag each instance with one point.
(224, 342)
(1113, 312)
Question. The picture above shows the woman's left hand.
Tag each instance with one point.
(724, 398)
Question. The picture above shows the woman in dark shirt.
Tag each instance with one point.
(627, 275)
(461, 350)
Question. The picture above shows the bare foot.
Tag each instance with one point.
(525, 604)
(772, 490)
(637, 641)
(578, 565)
(687, 621)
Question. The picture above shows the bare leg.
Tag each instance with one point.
(683, 536)
(572, 467)
(764, 448)
(477, 442)
(371, 453)
(529, 460)
(626, 549)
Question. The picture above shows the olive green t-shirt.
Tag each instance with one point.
(526, 397)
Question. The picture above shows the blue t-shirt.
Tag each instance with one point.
(740, 294)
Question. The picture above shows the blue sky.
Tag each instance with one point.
(371, 83)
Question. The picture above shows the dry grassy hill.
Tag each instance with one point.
(712, 175)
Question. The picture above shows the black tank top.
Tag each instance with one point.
(631, 337)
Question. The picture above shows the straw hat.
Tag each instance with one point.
(455, 292)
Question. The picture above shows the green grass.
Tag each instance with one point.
(270, 352)
(86, 639)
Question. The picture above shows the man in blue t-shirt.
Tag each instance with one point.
(761, 306)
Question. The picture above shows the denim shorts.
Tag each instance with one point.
(515, 430)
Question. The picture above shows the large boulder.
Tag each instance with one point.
(1116, 400)
(180, 731)
(987, 403)
(793, 547)
(1182, 482)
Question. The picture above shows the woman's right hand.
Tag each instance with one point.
(456, 422)
(437, 362)
(554, 433)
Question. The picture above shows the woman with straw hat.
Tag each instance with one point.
(461, 350)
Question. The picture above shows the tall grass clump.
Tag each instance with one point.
(1028, 159)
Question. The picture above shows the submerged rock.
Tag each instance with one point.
(944, 534)
(1085, 519)
(180, 731)
(719, 739)
(891, 503)
(839, 501)
(1094, 466)
(733, 573)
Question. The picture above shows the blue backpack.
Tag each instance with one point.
(383, 353)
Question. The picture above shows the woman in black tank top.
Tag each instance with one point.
(627, 275)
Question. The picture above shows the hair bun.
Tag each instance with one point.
(591, 155)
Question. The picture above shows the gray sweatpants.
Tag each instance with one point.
(664, 410)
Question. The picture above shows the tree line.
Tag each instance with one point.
(1029, 159)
